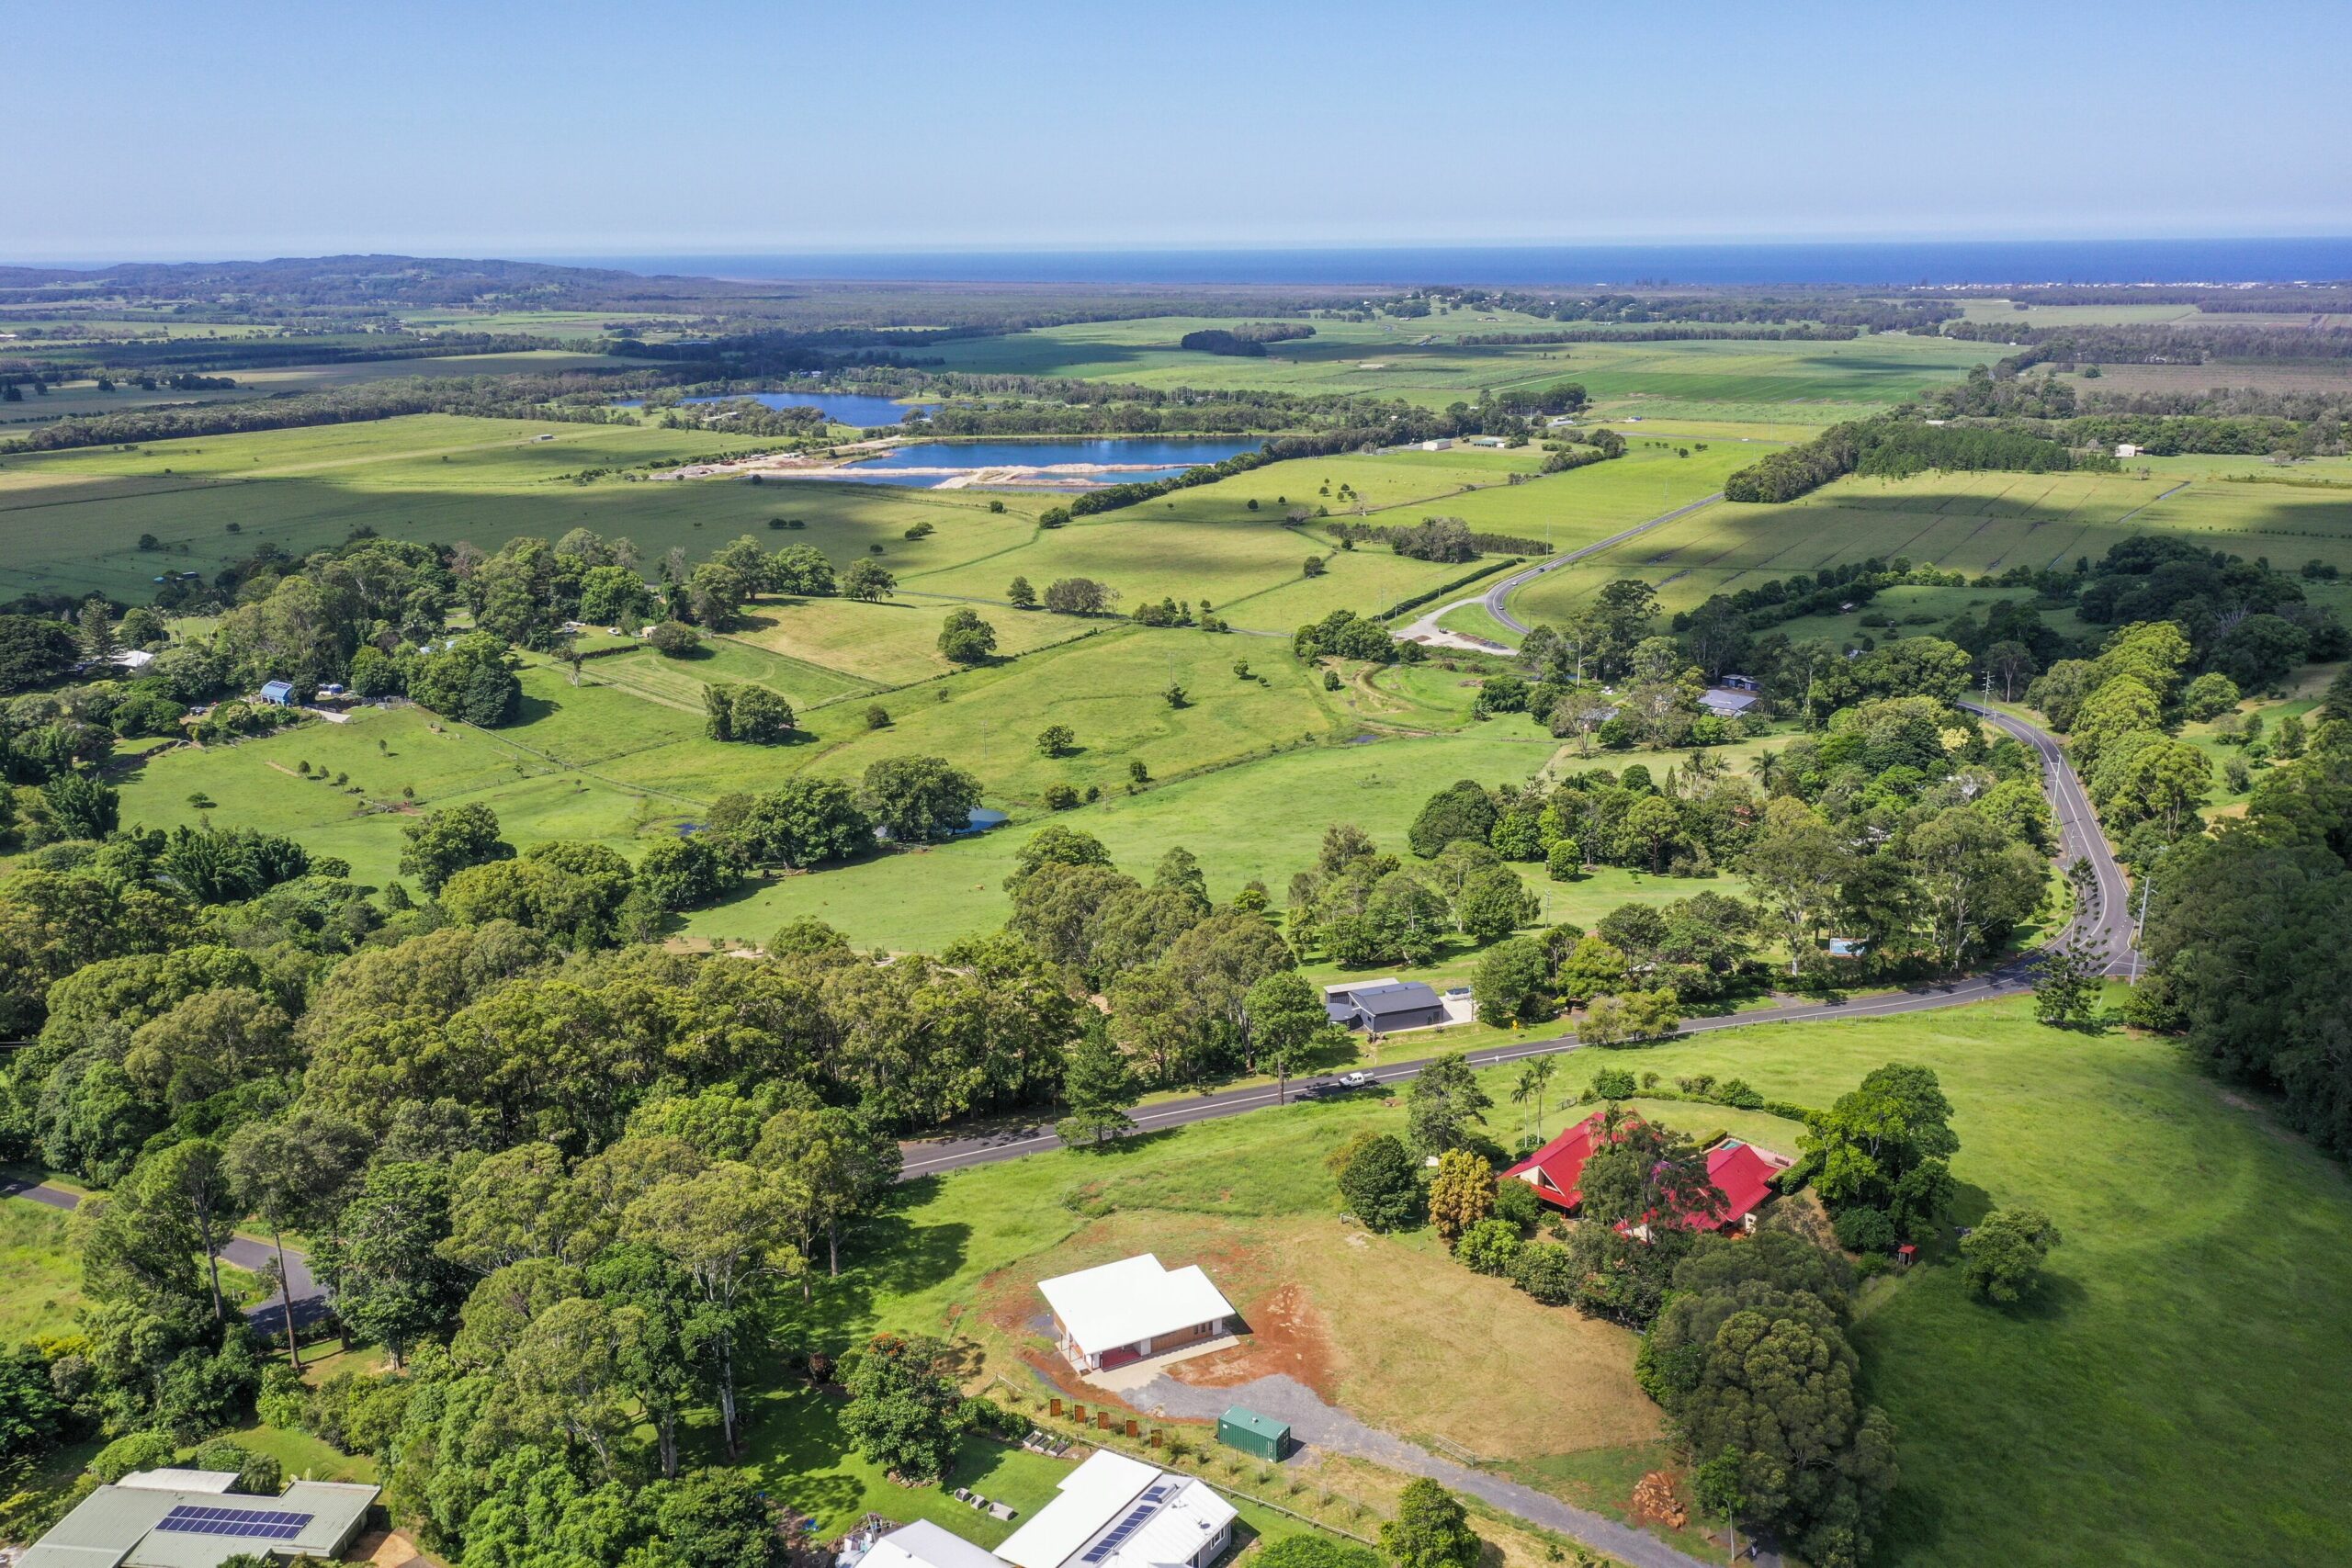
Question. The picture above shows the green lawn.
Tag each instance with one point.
(40, 1282)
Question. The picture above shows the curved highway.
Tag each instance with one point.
(1496, 598)
(2103, 912)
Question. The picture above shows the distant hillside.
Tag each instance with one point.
(382, 281)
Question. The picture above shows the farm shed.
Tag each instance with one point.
(1123, 1311)
(279, 693)
(1725, 703)
(1384, 1007)
(1116, 1512)
(1253, 1433)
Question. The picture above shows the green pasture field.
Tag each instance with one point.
(70, 521)
(721, 660)
(1974, 523)
(2264, 375)
(612, 763)
(1904, 604)
(1386, 359)
(82, 398)
(1260, 821)
(892, 643)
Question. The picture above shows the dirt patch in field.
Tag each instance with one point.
(1286, 1334)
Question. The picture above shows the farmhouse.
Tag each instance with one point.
(1384, 1007)
(1116, 1512)
(146, 1522)
(132, 659)
(1122, 1312)
(1725, 702)
(1741, 1172)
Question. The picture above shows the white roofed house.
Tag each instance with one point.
(1116, 1512)
(926, 1545)
(1123, 1311)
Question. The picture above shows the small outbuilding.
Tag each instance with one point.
(1262, 1435)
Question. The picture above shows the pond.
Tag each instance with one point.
(1111, 460)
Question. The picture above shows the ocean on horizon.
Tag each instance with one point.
(1921, 263)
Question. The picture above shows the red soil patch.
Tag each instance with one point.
(1287, 1336)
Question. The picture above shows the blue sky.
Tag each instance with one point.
(195, 128)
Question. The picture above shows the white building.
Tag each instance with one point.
(1116, 1512)
(132, 659)
(1123, 1311)
(924, 1545)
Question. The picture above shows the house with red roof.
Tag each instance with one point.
(1743, 1173)
(1556, 1169)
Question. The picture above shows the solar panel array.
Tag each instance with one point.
(1149, 1505)
(258, 1523)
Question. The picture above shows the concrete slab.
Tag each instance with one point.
(1136, 1374)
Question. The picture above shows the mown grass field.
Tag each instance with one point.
(1974, 523)
(2153, 1407)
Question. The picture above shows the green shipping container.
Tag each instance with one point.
(1253, 1433)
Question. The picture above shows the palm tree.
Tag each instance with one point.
(1542, 1071)
(1525, 1090)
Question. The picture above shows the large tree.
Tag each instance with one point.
(905, 1412)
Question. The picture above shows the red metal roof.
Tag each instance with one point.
(1560, 1163)
(1744, 1174)
(1741, 1171)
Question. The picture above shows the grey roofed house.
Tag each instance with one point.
(139, 1525)
(1724, 701)
(1383, 1007)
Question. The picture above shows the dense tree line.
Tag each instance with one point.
(2169, 344)
(2245, 935)
(1896, 448)
(573, 398)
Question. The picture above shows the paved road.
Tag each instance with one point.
(2103, 911)
(2106, 913)
(269, 1316)
(1323, 1427)
(1426, 628)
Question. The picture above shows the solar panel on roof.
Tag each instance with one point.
(1101, 1550)
(258, 1523)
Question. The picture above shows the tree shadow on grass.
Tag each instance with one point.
(529, 709)
(2052, 1297)
(885, 1256)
